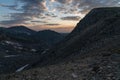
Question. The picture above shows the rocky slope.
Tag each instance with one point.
(91, 30)
(101, 67)
(20, 46)
(90, 52)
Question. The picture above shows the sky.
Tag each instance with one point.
(58, 15)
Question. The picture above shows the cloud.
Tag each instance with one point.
(50, 14)
(71, 18)
(12, 22)
(17, 18)
(86, 5)
(78, 6)
(64, 1)
(13, 7)
(34, 6)
(36, 21)
(28, 10)
(52, 24)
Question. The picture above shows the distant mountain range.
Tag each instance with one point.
(23, 33)
(21, 44)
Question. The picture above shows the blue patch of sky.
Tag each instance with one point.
(5, 12)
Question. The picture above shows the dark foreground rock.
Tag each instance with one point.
(76, 68)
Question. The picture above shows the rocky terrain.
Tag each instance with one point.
(90, 52)
(92, 67)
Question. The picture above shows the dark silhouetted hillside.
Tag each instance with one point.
(98, 24)
(51, 37)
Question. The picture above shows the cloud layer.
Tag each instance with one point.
(73, 18)
(45, 11)
(29, 9)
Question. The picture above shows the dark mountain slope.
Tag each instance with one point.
(95, 16)
(20, 33)
(99, 25)
(21, 29)
(51, 37)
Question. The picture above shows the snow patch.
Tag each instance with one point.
(9, 42)
(33, 50)
(74, 75)
(28, 33)
(44, 51)
(22, 68)
(12, 43)
(7, 56)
